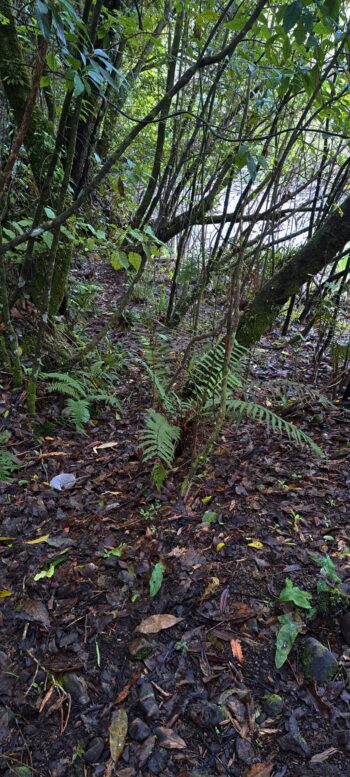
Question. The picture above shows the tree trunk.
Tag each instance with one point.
(39, 142)
(308, 260)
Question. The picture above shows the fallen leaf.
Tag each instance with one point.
(63, 481)
(43, 538)
(318, 758)
(255, 544)
(169, 739)
(156, 579)
(4, 593)
(237, 651)
(259, 770)
(37, 611)
(156, 623)
(211, 587)
(104, 446)
(117, 733)
(122, 695)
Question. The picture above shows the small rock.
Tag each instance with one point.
(139, 649)
(345, 627)
(272, 704)
(245, 751)
(206, 714)
(60, 767)
(158, 761)
(294, 743)
(139, 730)
(148, 702)
(94, 751)
(76, 687)
(319, 663)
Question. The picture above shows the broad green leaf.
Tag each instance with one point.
(119, 260)
(291, 15)
(285, 640)
(79, 86)
(134, 259)
(209, 516)
(47, 238)
(291, 593)
(50, 213)
(156, 578)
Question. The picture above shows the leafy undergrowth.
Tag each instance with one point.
(138, 632)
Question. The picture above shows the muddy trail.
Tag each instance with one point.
(138, 630)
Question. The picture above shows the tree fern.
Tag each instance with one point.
(159, 438)
(272, 421)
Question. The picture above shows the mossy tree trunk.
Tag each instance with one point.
(308, 260)
(39, 143)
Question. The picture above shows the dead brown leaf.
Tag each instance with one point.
(156, 623)
(318, 758)
(169, 739)
(259, 770)
(117, 733)
(122, 695)
(37, 611)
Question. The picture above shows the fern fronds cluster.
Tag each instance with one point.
(7, 466)
(80, 393)
(205, 377)
(202, 392)
(159, 438)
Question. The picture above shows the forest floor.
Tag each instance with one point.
(74, 659)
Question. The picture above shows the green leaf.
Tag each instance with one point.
(50, 213)
(47, 238)
(119, 260)
(209, 516)
(291, 593)
(156, 578)
(292, 15)
(159, 474)
(285, 640)
(134, 260)
(79, 86)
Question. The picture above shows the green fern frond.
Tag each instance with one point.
(272, 421)
(79, 413)
(7, 466)
(158, 438)
(156, 354)
(206, 375)
(63, 383)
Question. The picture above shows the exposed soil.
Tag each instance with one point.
(68, 654)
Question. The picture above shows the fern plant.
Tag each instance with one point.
(202, 392)
(7, 461)
(81, 394)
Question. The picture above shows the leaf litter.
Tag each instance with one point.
(201, 693)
